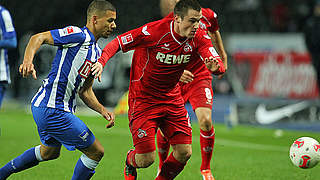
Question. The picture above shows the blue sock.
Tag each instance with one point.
(81, 171)
(24, 161)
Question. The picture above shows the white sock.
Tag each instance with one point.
(89, 163)
(38, 154)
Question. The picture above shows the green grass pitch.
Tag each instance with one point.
(240, 153)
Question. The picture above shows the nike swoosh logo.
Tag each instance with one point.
(264, 116)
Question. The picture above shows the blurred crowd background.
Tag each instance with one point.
(265, 41)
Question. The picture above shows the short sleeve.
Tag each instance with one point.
(68, 35)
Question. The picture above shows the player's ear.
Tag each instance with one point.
(94, 19)
(177, 18)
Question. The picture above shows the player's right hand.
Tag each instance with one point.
(26, 69)
(110, 117)
(96, 70)
(186, 76)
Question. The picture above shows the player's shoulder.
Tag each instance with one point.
(157, 28)
(71, 31)
(209, 13)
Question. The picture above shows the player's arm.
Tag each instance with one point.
(108, 52)
(140, 37)
(27, 67)
(218, 43)
(89, 98)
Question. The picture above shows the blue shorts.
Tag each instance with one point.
(56, 127)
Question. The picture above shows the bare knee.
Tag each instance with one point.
(182, 152)
(205, 123)
(49, 154)
(145, 160)
(96, 155)
(205, 120)
(99, 153)
(95, 151)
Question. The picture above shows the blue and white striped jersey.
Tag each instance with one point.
(77, 51)
(6, 32)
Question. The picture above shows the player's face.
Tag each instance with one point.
(106, 24)
(190, 23)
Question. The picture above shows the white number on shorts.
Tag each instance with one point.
(208, 93)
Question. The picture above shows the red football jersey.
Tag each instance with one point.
(208, 22)
(160, 57)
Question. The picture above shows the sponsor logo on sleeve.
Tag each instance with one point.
(69, 30)
(213, 51)
(127, 39)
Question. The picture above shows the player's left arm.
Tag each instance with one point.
(89, 98)
(208, 54)
(218, 43)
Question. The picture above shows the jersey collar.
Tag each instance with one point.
(179, 39)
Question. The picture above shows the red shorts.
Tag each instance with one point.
(198, 92)
(146, 117)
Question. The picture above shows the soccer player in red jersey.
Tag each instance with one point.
(162, 51)
(196, 87)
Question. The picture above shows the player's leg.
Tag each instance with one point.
(201, 101)
(28, 159)
(176, 161)
(177, 129)
(143, 155)
(207, 138)
(163, 147)
(89, 160)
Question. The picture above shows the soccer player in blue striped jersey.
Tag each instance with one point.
(7, 40)
(54, 103)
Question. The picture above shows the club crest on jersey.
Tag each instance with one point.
(127, 39)
(141, 133)
(85, 69)
(187, 48)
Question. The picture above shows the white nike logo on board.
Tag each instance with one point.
(264, 116)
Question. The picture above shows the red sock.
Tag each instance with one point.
(206, 144)
(131, 158)
(170, 169)
(163, 148)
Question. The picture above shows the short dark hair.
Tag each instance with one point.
(98, 7)
(182, 7)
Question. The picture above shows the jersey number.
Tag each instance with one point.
(85, 69)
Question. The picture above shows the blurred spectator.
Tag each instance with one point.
(312, 38)
(280, 16)
(7, 40)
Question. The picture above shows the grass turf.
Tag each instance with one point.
(240, 153)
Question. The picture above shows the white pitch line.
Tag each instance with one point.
(218, 141)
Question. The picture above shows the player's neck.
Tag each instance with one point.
(91, 29)
(177, 33)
